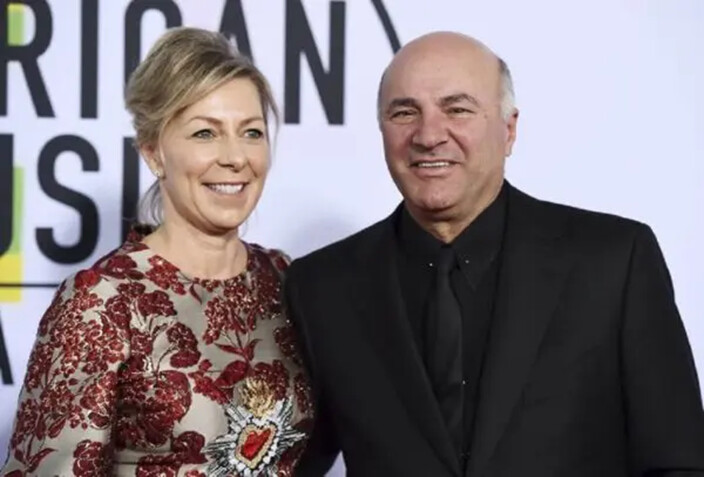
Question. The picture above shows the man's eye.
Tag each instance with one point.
(401, 114)
(459, 110)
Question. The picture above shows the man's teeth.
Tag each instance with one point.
(433, 164)
(226, 188)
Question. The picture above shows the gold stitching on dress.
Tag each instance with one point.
(257, 396)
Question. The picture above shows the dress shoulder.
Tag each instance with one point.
(277, 257)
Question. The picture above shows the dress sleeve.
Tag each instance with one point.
(280, 259)
(66, 407)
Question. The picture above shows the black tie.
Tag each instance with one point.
(443, 327)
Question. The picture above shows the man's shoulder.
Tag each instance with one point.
(583, 223)
(343, 253)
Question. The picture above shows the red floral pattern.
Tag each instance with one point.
(184, 342)
(91, 459)
(285, 337)
(205, 385)
(302, 391)
(165, 275)
(98, 398)
(288, 461)
(122, 266)
(186, 450)
(230, 376)
(150, 466)
(131, 355)
(275, 375)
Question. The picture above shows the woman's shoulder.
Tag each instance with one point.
(107, 271)
(277, 257)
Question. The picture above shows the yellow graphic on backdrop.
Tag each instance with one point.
(11, 261)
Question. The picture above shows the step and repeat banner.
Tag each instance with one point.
(609, 92)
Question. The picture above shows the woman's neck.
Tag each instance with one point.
(199, 254)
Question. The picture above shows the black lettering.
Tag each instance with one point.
(299, 41)
(6, 191)
(88, 238)
(133, 27)
(89, 58)
(27, 55)
(130, 185)
(4, 359)
(389, 29)
(233, 24)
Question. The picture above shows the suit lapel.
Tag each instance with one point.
(382, 315)
(533, 271)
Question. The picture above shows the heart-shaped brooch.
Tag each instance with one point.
(259, 431)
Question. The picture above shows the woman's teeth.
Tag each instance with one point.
(226, 188)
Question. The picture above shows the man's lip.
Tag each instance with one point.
(422, 161)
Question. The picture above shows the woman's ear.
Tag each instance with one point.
(150, 153)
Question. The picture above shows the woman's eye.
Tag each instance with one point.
(254, 133)
(204, 134)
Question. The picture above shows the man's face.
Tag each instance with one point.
(444, 137)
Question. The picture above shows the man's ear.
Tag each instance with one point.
(511, 125)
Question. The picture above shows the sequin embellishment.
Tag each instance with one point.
(259, 431)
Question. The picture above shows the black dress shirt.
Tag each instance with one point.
(478, 250)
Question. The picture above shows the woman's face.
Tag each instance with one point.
(213, 158)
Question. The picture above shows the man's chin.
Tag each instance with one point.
(431, 209)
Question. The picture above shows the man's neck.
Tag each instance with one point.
(447, 226)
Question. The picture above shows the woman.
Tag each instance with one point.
(171, 355)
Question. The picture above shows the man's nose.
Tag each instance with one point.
(431, 132)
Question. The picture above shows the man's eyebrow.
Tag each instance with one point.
(443, 102)
(458, 98)
(402, 102)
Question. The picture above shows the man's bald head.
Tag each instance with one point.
(452, 44)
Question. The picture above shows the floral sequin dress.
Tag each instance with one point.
(141, 370)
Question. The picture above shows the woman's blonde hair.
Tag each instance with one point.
(183, 66)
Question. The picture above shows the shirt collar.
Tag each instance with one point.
(477, 245)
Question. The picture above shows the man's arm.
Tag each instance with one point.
(663, 401)
(322, 448)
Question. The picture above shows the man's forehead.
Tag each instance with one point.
(436, 87)
(433, 55)
(439, 75)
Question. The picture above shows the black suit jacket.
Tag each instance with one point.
(588, 370)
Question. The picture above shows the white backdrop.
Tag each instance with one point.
(609, 92)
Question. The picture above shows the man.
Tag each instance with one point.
(478, 331)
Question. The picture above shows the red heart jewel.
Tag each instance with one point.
(254, 442)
